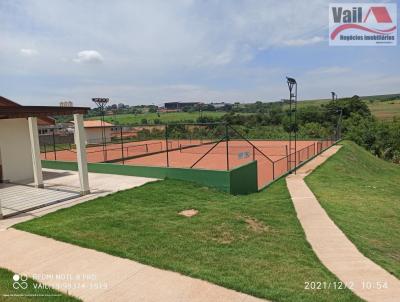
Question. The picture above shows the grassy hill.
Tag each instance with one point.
(380, 107)
(385, 110)
(361, 193)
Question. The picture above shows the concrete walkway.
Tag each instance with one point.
(95, 276)
(332, 247)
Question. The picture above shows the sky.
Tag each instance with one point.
(149, 52)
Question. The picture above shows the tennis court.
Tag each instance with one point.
(273, 157)
(205, 146)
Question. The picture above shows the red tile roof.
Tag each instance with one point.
(95, 124)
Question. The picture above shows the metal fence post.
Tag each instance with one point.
(273, 170)
(166, 143)
(287, 162)
(54, 146)
(227, 146)
(122, 146)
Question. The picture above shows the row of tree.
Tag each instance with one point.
(350, 116)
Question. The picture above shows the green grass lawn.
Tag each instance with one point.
(30, 293)
(361, 193)
(125, 119)
(253, 244)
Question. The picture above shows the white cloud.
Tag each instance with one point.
(28, 52)
(302, 42)
(89, 56)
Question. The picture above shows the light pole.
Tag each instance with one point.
(101, 104)
(292, 85)
(334, 96)
(200, 111)
(340, 111)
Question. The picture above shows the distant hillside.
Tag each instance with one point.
(383, 106)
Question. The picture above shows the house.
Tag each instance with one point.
(95, 131)
(219, 105)
(19, 140)
(58, 129)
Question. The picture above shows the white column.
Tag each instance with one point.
(35, 150)
(80, 139)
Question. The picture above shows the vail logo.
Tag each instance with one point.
(354, 15)
(362, 24)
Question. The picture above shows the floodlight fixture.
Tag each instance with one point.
(291, 80)
(101, 104)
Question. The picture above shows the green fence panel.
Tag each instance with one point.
(210, 178)
(243, 180)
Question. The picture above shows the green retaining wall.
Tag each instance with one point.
(241, 180)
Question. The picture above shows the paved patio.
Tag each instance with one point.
(61, 190)
(17, 198)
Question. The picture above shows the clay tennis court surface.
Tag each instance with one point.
(273, 159)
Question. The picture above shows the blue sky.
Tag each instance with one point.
(145, 52)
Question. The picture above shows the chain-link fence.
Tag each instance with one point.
(214, 146)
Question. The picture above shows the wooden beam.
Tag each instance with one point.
(39, 111)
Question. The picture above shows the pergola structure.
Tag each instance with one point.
(12, 110)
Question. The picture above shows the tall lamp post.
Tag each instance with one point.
(334, 96)
(101, 104)
(292, 85)
(340, 111)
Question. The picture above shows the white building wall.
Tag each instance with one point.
(93, 135)
(15, 148)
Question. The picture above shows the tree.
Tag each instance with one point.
(313, 130)
(348, 106)
(310, 114)
(153, 109)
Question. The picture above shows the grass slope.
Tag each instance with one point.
(361, 193)
(6, 288)
(253, 244)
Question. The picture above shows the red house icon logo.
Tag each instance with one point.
(381, 14)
